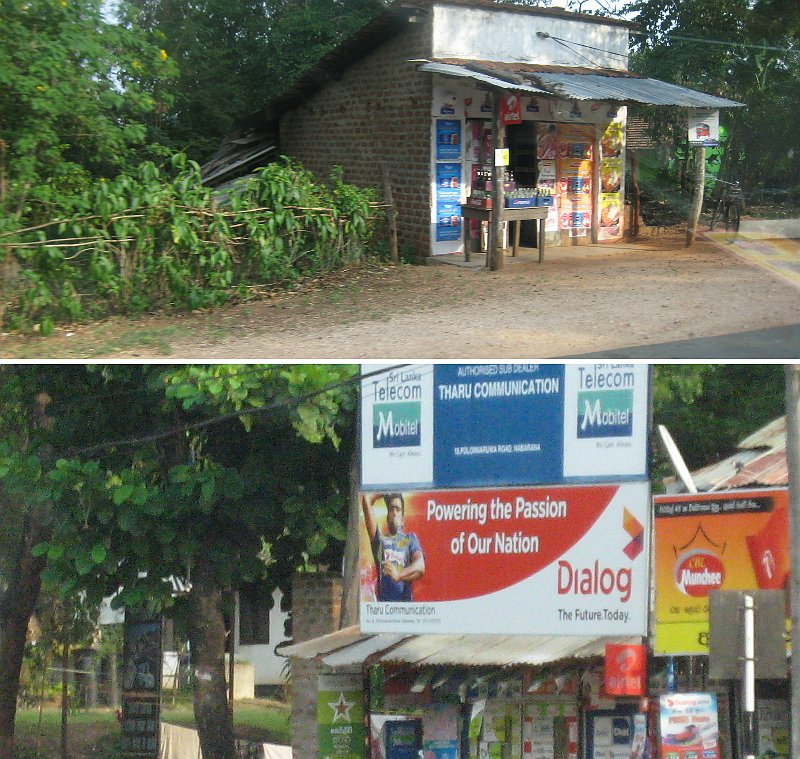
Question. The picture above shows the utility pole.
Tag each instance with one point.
(792, 372)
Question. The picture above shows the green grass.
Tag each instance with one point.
(94, 733)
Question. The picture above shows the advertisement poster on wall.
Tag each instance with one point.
(448, 201)
(467, 561)
(340, 717)
(575, 161)
(689, 726)
(727, 540)
(448, 139)
(464, 425)
(611, 177)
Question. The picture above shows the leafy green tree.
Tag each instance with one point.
(746, 51)
(77, 94)
(234, 57)
(251, 497)
(709, 408)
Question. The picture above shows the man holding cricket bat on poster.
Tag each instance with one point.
(398, 555)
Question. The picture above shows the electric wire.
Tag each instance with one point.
(189, 427)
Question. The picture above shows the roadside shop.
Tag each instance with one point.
(450, 105)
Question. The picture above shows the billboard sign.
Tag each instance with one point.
(727, 540)
(472, 425)
(543, 559)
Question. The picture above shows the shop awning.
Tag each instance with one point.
(578, 83)
(349, 646)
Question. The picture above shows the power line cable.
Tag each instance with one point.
(180, 429)
(729, 43)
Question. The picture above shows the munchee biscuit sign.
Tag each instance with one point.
(467, 425)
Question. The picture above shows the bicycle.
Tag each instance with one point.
(728, 209)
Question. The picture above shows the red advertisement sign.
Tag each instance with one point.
(576, 554)
(625, 670)
(510, 108)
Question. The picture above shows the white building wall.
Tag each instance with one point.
(268, 667)
(496, 35)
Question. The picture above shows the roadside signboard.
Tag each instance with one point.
(141, 685)
(703, 128)
(542, 559)
(471, 425)
(727, 540)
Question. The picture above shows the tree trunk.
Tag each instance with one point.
(207, 639)
(350, 575)
(16, 607)
(697, 197)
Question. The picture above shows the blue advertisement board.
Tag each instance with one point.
(473, 425)
(448, 139)
(503, 421)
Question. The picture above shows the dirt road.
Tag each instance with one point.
(579, 300)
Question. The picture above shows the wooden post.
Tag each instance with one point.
(494, 255)
(391, 219)
(64, 691)
(636, 206)
(697, 194)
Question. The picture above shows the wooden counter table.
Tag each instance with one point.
(509, 214)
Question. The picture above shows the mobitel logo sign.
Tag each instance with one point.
(697, 573)
(605, 402)
(396, 425)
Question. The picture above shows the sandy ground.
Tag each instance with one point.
(579, 300)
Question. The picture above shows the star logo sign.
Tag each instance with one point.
(341, 708)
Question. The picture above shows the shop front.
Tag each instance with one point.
(546, 138)
(478, 697)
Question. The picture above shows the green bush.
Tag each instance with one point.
(160, 239)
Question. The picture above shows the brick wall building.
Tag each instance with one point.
(316, 609)
(379, 111)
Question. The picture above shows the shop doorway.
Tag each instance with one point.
(522, 157)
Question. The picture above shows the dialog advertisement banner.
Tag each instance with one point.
(689, 726)
(506, 560)
(467, 425)
(728, 540)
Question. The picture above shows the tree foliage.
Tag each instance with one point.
(234, 57)
(137, 495)
(709, 408)
(158, 238)
(77, 94)
(746, 51)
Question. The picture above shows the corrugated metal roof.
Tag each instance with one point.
(460, 72)
(519, 68)
(350, 646)
(769, 436)
(760, 461)
(629, 90)
(611, 85)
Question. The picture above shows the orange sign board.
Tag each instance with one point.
(728, 540)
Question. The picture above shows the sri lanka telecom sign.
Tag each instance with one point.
(726, 540)
(517, 561)
(466, 425)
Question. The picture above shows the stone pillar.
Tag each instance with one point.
(316, 606)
